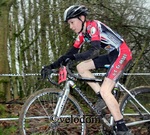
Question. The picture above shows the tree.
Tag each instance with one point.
(4, 68)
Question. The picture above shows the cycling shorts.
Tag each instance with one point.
(118, 59)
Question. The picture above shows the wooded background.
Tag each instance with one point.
(33, 34)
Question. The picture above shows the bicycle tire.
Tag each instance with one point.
(36, 115)
(130, 112)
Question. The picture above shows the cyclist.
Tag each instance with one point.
(100, 37)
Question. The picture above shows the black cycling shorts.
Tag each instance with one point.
(107, 59)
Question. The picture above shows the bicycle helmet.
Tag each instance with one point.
(74, 11)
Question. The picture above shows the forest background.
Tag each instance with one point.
(33, 34)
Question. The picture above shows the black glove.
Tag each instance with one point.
(45, 71)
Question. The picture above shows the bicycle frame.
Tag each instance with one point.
(123, 88)
(66, 90)
(62, 99)
(70, 84)
(136, 122)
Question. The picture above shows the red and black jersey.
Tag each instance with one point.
(97, 31)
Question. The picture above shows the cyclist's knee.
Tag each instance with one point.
(107, 87)
(80, 68)
(103, 93)
(85, 66)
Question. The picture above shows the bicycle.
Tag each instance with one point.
(55, 111)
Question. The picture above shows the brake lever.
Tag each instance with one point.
(54, 73)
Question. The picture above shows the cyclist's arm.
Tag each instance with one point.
(57, 63)
(91, 53)
(74, 50)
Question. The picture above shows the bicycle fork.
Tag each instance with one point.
(62, 100)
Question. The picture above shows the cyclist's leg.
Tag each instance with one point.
(84, 68)
(109, 99)
(117, 67)
(113, 74)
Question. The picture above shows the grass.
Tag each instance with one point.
(9, 127)
(12, 130)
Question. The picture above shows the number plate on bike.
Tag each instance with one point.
(62, 74)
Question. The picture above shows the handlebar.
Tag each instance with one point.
(71, 75)
(54, 73)
(78, 77)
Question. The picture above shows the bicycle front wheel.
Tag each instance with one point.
(36, 116)
(137, 118)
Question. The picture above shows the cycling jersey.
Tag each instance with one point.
(97, 31)
(118, 55)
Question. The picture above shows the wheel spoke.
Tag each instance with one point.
(37, 115)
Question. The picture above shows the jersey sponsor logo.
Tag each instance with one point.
(93, 31)
(120, 65)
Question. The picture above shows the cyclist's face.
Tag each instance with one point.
(75, 24)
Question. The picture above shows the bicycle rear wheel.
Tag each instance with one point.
(137, 119)
(36, 116)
